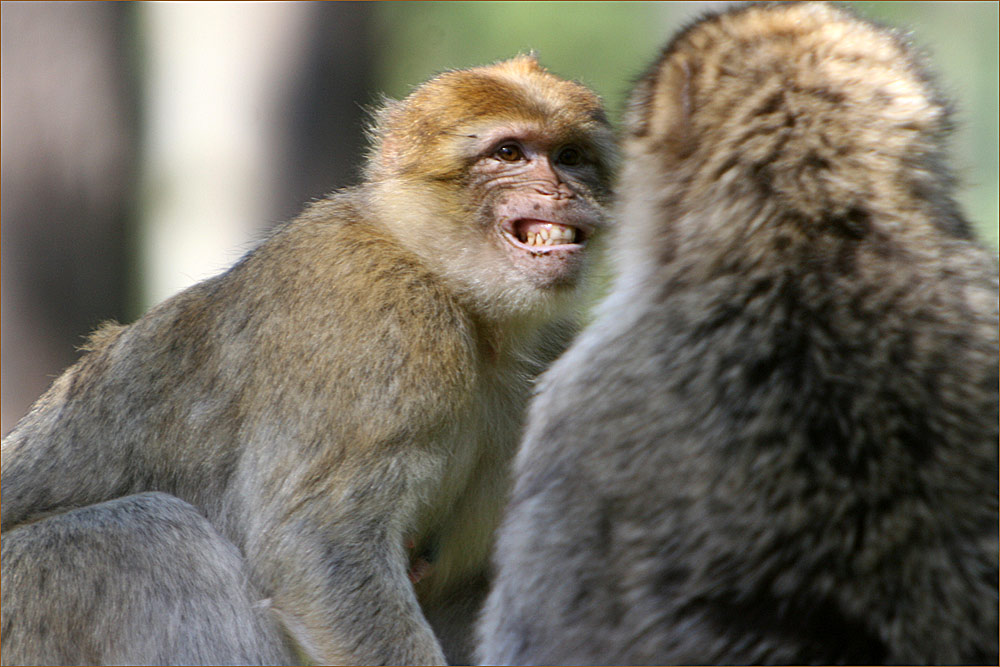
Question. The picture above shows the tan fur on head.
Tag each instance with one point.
(408, 134)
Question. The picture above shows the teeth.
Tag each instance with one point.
(550, 234)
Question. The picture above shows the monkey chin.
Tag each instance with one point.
(549, 268)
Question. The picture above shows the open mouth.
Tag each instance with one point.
(544, 236)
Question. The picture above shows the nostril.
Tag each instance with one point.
(555, 190)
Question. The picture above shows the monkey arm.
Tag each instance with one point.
(335, 503)
(337, 570)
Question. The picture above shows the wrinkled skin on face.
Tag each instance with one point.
(539, 197)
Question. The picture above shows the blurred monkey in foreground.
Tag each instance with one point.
(306, 456)
(777, 443)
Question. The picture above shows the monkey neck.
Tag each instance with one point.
(500, 343)
(490, 340)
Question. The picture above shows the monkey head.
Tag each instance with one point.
(787, 127)
(498, 174)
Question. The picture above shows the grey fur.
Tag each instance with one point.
(777, 443)
(205, 607)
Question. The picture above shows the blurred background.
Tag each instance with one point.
(146, 146)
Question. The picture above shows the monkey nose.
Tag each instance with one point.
(555, 190)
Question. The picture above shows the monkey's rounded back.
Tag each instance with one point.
(171, 561)
(777, 442)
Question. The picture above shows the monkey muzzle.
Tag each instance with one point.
(543, 236)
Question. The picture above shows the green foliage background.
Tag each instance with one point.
(607, 44)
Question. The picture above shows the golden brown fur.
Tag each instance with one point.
(341, 406)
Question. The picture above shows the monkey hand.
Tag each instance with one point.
(325, 611)
(420, 566)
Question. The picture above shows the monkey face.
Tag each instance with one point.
(501, 175)
(538, 201)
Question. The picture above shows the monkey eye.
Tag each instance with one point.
(569, 156)
(509, 153)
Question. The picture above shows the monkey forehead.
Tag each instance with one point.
(427, 133)
(518, 89)
(480, 134)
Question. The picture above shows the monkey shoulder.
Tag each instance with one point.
(378, 328)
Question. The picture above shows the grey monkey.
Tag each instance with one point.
(777, 442)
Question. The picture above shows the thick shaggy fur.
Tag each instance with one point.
(778, 441)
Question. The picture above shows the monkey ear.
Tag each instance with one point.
(662, 105)
(383, 147)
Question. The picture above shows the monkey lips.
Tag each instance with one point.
(550, 252)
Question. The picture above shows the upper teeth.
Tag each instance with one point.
(551, 234)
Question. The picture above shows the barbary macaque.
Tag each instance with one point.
(777, 441)
(305, 457)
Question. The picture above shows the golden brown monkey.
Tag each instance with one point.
(258, 468)
(777, 442)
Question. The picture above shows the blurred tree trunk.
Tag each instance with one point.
(251, 110)
(69, 159)
(76, 233)
(324, 113)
